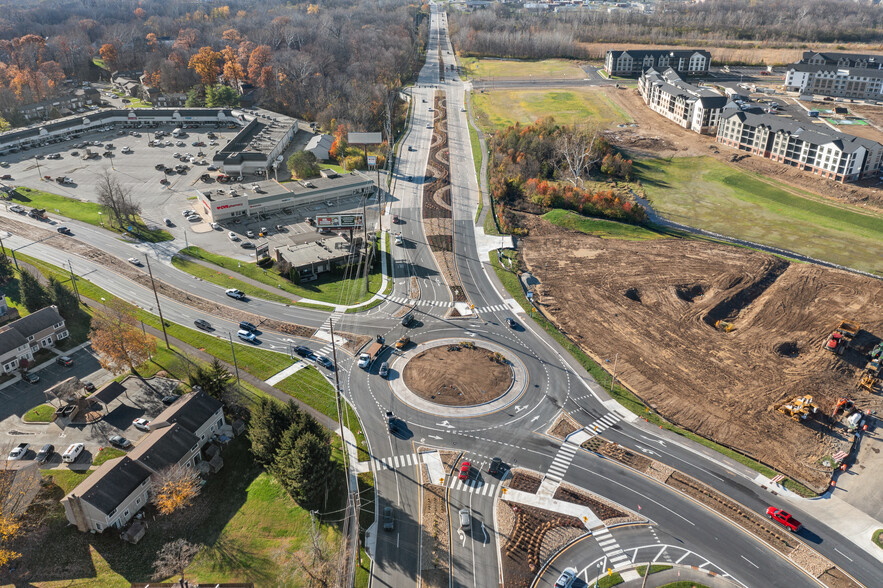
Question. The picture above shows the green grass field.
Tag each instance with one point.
(87, 212)
(511, 68)
(498, 109)
(39, 414)
(329, 288)
(600, 228)
(705, 193)
(106, 454)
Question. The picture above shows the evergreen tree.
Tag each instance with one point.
(213, 379)
(6, 268)
(303, 467)
(33, 295)
(268, 422)
(64, 299)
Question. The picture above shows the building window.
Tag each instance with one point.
(137, 501)
(97, 526)
(126, 513)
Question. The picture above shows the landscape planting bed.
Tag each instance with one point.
(655, 304)
(464, 377)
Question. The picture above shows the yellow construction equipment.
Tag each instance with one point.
(724, 326)
(868, 381)
(799, 408)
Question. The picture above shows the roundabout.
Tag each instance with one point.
(457, 378)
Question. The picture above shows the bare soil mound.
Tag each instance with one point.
(457, 378)
(656, 304)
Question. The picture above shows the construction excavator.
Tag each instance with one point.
(842, 405)
(799, 409)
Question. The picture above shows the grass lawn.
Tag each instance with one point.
(878, 538)
(512, 68)
(653, 569)
(87, 212)
(329, 288)
(67, 480)
(476, 161)
(225, 280)
(498, 109)
(705, 193)
(600, 228)
(106, 454)
(39, 414)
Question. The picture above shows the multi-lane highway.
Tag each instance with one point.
(678, 529)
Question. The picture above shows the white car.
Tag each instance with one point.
(364, 360)
(234, 293)
(216, 226)
(135, 261)
(566, 579)
(233, 236)
(246, 335)
(399, 239)
(141, 424)
(187, 212)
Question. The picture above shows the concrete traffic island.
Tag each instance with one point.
(480, 378)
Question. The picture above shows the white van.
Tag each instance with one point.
(176, 132)
(72, 453)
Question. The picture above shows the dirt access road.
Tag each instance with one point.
(655, 303)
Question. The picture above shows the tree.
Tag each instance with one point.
(259, 57)
(64, 299)
(117, 199)
(173, 558)
(6, 269)
(10, 525)
(213, 380)
(34, 295)
(174, 488)
(339, 146)
(140, 12)
(269, 420)
(576, 148)
(221, 96)
(4, 124)
(233, 72)
(206, 64)
(302, 165)
(119, 344)
(303, 466)
(195, 97)
(108, 53)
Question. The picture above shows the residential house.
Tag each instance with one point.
(20, 339)
(847, 75)
(319, 146)
(815, 148)
(634, 62)
(128, 84)
(693, 107)
(63, 104)
(117, 490)
(170, 100)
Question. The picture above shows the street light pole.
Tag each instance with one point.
(162, 321)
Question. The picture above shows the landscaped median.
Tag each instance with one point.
(39, 414)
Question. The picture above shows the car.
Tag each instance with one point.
(216, 226)
(465, 470)
(64, 360)
(212, 168)
(188, 212)
(511, 323)
(30, 378)
(428, 125)
(302, 350)
(194, 218)
(119, 441)
(566, 579)
(395, 219)
(784, 519)
(465, 519)
(496, 466)
(403, 342)
(134, 261)
(399, 239)
(234, 293)
(411, 148)
(325, 362)
(383, 372)
(246, 335)
(63, 230)
(45, 453)
(88, 386)
(72, 452)
(245, 325)
(141, 424)
(203, 324)
(364, 360)
(19, 452)
(167, 221)
(127, 149)
(233, 236)
(389, 523)
(408, 319)
(249, 234)
(462, 109)
(5, 177)
(247, 245)
(170, 399)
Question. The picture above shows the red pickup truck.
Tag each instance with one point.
(785, 519)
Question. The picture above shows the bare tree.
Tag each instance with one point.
(175, 487)
(117, 199)
(576, 150)
(173, 558)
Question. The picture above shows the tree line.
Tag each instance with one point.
(340, 60)
(506, 30)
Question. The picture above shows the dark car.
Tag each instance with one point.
(170, 399)
(45, 453)
(511, 323)
(495, 467)
(120, 441)
(247, 326)
(408, 319)
(88, 386)
(203, 324)
(324, 361)
(64, 360)
(30, 378)
(389, 523)
(302, 350)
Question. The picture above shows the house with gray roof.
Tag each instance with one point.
(21, 338)
(693, 107)
(847, 75)
(117, 490)
(634, 62)
(812, 147)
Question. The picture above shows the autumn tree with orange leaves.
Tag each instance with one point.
(108, 53)
(119, 343)
(175, 487)
(259, 58)
(207, 65)
(233, 72)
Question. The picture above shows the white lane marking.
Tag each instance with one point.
(843, 554)
(748, 560)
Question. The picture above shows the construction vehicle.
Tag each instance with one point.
(838, 341)
(799, 408)
(849, 329)
(868, 381)
(842, 405)
(876, 352)
(724, 326)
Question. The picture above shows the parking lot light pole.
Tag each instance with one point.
(162, 321)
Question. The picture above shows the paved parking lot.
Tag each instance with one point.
(139, 402)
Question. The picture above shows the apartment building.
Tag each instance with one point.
(814, 148)
(846, 75)
(696, 108)
(21, 339)
(635, 62)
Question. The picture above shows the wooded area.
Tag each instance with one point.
(506, 31)
(338, 61)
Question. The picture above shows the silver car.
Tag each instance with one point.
(465, 519)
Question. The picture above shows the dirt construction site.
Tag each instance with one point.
(715, 338)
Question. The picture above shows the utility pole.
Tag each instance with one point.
(235, 365)
(162, 321)
(365, 228)
(613, 377)
(74, 282)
